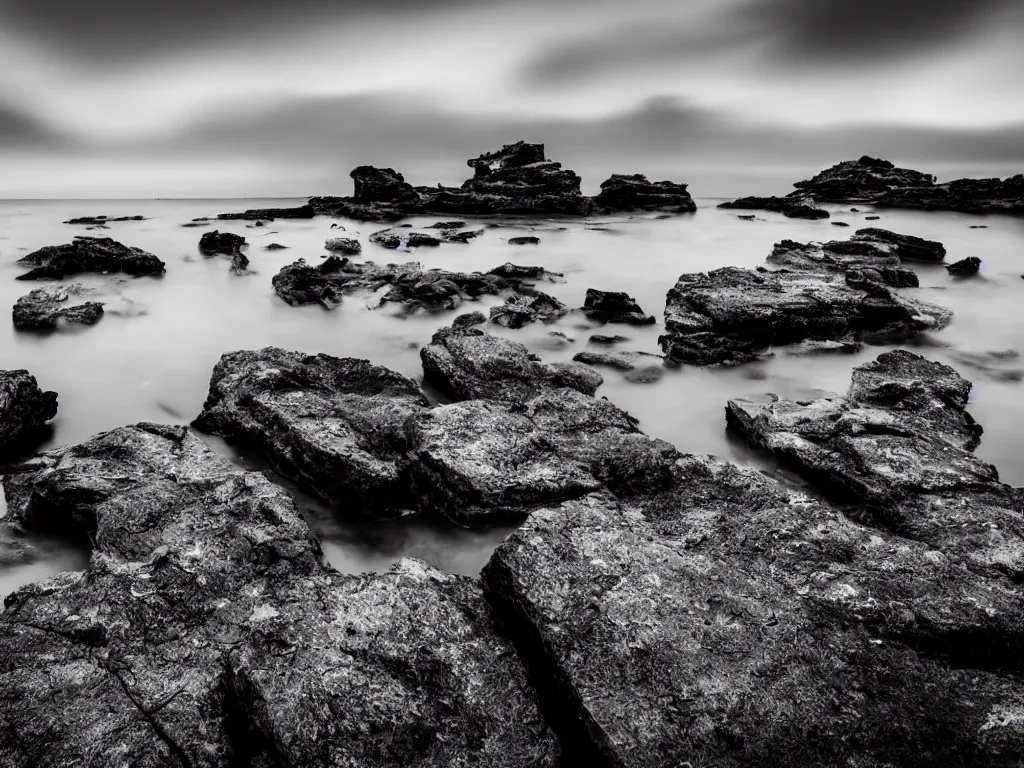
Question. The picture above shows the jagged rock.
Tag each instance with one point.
(791, 207)
(103, 220)
(908, 247)
(870, 259)
(327, 282)
(964, 195)
(968, 266)
(863, 180)
(45, 308)
(486, 461)
(524, 240)
(469, 319)
(89, 254)
(623, 361)
(208, 631)
(614, 307)
(220, 242)
(520, 310)
(732, 315)
(269, 214)
(389, 238)
(511, 271)
(334, 425)
(343, 245)
(381, 185)
(636, 193)
(24, 408)
(872, 218)
(730, 622)
(468, 364)
(275, 247)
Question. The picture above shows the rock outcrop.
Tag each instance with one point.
(798, 207)
(907, 247)
(24, 408)
(269, 214)
(614, 307)
(965, 267)
(869, 259)
(208, 631)
(732, 315)
(220, 242)
(326, 283)
(861, 181)
(963, 195)
(44, 309)
(89, 254)
(636, 193)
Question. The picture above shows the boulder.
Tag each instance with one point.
(346, 246)
(524, 240)
(44, 309)
(469, 319)
(381, 185)
(239, 263)
(874, 260)
(208, 631)
(790, 207)
(965, 267)
(24, 408)
(907, 247)
(451, 236)
(520, 310)
(636, 193)
(732, 315)
(220, 242)
(468, 364)
(332, 425)
(394, 239)
(614, 307)
(89, 254)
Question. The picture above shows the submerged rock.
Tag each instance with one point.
(636, 193)
(327, 282)
(275, 247)
(45, 308)
(239, 263)
(24, 408)
(103, 220)
(614, 307)
(269, 214)
(334, 425)
(449, 225)
(599, 338)
(208, 631)
(469, 319)
(220, 242)
(964, 267)
(622, 360)
(467, 364)
(344, 245)
(524, 240)
(869, 259)
(393, 239)
(520, 310)
(790, 207)
(732, 315)
(89, 254)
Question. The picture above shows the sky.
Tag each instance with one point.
(229, 98)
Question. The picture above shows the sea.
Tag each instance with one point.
(151, 355)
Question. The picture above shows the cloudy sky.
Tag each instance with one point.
(210, 98)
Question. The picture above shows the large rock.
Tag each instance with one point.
(333, 425)
(906, 247)
(465, 363)
(208, 631)
(964, 195)
(24, 408)
(44, 309)
(732, 315)
(901, 443)
(791, 207)
(346, 246)
(520, 310)
(394, 239)
(863, 180)
(636, 193)
(614, 307)
(868, 258)
(89, 254)
(965, 267)
(729, 622)
(220, 242)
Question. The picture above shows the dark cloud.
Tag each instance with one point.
(18, 130)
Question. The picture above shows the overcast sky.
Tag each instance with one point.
(147, 98)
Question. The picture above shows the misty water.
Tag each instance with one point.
(150, 357)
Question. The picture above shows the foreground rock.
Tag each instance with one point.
(732, 315)
(614, 307)
(207, 631)
(798, 207)
(465, 363)
(24, 408)
(326, 283)
(636, 193)
(220, 242)
(44, 309)
(332, 424)
(89, 254)
(269, 214)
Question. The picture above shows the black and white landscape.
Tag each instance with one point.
(492, 384)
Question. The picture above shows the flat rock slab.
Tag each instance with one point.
(732, 623)
(901, 443)
(797, 207)
(24, 408)
(89, 254)
(334, 425)
(732, 315)
(44, 309)
(207, 631)
(464, 363)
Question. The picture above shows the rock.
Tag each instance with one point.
(614, 307)
(381, 185)
(333, 425)
(978, 226)
(103, 220)
(732, 315)
(447, 225)
(863, 180)
(469, 319)
(623, 361)
(598, 338)
(269, 214)
(524, 240)
(220, 242)
(389, 238)
(485, 461)
(343, 245)
(965, 267)
(791, 207)
(511, 271)
(730, 622)
(44, 309)
(326, 283)
(840, 224)
(193, 224)
(908, 247)
(24, 408)
(963, 195)
(871, 259)
(89, 254)
(468, 364)
(872, 218)
(747, 217)
(636, 193)
(450, 236)
(275, 247)
(239, 263)
(207, 630)
(520, 310)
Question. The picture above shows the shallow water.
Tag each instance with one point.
(150, 357)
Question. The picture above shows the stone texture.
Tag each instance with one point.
(44, 309)
(614, 307)
(89, 254)
(24, 408)
(636, 193)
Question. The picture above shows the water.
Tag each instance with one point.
(150, 357)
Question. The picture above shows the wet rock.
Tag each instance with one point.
(469, 319)
(45, 308)
(908, 247)
(963, 195)
(840, 224)
(275, 247)
(636, 193)
(438, 289)
(870, 259)
(468, 364)
(872, 218)
(614, 307)
(220, 242)
(193, 224)
(103, 220)
(343, 245)
(732, 315)
(965, 267)
(24, 408)
(451, 236)
(89, 254)
(208, 631)
(790, 207)
(269, 214)
(823, 347)
(520, 310)
(447, 225)
(239, 263)
(390, 238)
(736, 621)
(334, 425)
(978, 226)
(622, 360)
(598, 338)
(327, 282)
(511, 271)
(524, 240)
(863, 180)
